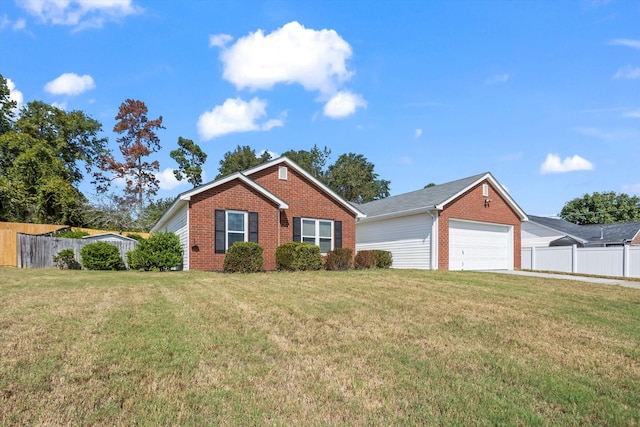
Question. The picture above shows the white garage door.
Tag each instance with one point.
(480, 246)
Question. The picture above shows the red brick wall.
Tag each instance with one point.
(471, 206)
(303, 198)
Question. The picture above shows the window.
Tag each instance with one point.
(236, 227)
(318, 232)
(485, 190)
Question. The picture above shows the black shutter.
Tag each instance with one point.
(220, 227)
(253, 227)
(337, 230)
(297, 235)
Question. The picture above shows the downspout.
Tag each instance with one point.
(434, 242)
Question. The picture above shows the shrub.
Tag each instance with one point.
(384, 259)
(365, 260)
(70, 234)
(160, 252)
(244, 257)
(100, 256)
(65, 260)
(339, 259)
(298, 256)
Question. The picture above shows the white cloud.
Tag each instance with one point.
(405, 160)
(417, 134)
(59, 105)
(635, 44)
(15, 95)
(20, 24)
(168, 180)
(632, 114)
(70, 84)
(291, 54)
(498, 78)
(553, 164)
(627, 72)
(219, 40)
(343, 104)
(80, 13)
(235, 115)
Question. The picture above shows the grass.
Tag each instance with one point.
(321, 348)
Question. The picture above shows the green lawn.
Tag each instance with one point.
(322, 348)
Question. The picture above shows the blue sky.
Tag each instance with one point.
(543, 94)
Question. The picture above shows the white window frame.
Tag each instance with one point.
(316, 236)
(282, 173)
(245, 232)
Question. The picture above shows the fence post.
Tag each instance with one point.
(574, 258)
(625, 261)
(533, 257)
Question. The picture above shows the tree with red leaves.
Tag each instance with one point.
(137, 141)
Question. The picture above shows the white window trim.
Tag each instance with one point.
(246, 227)
(282, 173)
(316, 237)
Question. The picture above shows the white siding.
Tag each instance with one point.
(408, 239)
(480, 246)
(536, 235)
(178, 224)
(633, 268)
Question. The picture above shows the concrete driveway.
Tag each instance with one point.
(618, 282)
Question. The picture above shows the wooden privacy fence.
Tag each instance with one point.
(38, 251)
(10, 230)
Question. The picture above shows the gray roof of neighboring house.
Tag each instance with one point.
(591, 234)
(429, 198)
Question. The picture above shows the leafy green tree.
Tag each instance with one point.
(602, 208)
(152, 212)
(353, 178)
(240, 159)
(190, 159)
(313, 161)
(7, 107)
(137, 141)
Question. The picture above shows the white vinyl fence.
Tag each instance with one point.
(618, 261)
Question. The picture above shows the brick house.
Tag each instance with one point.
(274, 203)
(467, 224)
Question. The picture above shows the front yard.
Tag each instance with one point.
(367, 347)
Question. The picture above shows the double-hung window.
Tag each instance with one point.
(318, 232)
(236, 227)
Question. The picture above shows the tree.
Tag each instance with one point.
(312, 161)
(241, 159)
(138, 141)
(7, 107)
(602, 208)
(353, 178)
(41, 159)
(190, 159)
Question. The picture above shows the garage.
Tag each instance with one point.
(480, 246)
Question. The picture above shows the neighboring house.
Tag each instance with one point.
(468, 224)
(108, 237)
(274, 203)
(547, 231)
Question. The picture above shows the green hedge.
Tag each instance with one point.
(244, 257)
(384, 259)
(101, 256)
(160, 252)
(298, 256)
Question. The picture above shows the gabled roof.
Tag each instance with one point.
(107, 235)
(591, 234)
(183, 199)
(432, 198)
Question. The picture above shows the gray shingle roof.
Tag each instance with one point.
(426, 198)
(591, 233)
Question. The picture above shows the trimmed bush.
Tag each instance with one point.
(70, 234)
(66, 260)
(365, 260)
(298, 256)
(244, 257)
(384, 259)
(160, 252)
(339, 259)
(101, 256)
